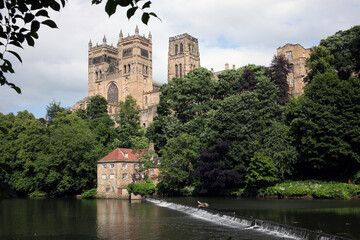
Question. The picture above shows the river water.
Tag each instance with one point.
(122, 219)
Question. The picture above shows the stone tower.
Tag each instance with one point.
(183, 55)
(297, 55)
(115, 72)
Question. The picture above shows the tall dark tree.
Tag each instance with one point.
(279, 70)
(212, 172)
(97, 107)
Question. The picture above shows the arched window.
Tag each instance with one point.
(189, 48)
(129, 68)
(124, 68)
(176, 49)
(146, 100)
(180, 67)
(146, 69)
(181, 48)
(176, 71)
(97, 75)
(112, 95)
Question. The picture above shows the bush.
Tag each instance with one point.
(315, 189)
(187, 190)
(262, 172)
(89, 194)
(37, 195)
(146, 188)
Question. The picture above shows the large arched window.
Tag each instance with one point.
(180, 70)
(113, 92)
(176, 49)
(181, 48)
(176, 71)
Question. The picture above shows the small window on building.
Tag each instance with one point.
(289, 55)
(112, 176)
(112, 189)
(124, 165)
(126, 155)
(104, 166)
(176, 49)
(136, 166)
(144, 125)
(143, 175)
(151, 172)
(176, 71)
(137, 176)
(125, 175)
(111, 165)
(291, 68)
(181, 48)
(291, 81)
(103, 176)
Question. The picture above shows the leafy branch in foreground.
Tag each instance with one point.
(20, 22)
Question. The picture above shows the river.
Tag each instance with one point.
(122, 219)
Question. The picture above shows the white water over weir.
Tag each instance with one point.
(242, 223)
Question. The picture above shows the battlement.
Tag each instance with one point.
(133, 37)
(181, 36)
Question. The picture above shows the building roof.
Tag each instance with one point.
(121, 154)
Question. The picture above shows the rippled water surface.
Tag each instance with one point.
(122, 219)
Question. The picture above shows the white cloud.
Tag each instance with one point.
(229, 31)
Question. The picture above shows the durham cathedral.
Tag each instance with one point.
(115, 72)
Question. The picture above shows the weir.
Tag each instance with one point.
(244, 223)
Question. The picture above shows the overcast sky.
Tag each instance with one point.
(230, 31)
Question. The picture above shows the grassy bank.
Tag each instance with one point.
(312, 189)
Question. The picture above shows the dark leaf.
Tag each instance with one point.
(154, 15)
(34, 35)
(28, 17)
(49, 23)
(35, 25)
(145, 18)
(16, 43)
(124, 3)
(146, 5)
(42, 12)
(110, 7)
(131, 12)
(63, 3)
(54, 5)
(29, 40)
(16, 55)
(5, 166)
(4, 131)
(16, 88)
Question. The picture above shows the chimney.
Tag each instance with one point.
(233, 66)
(226, 66)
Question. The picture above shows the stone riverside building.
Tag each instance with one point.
(296, 54)
(119, 168)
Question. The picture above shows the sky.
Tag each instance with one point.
(229, 31)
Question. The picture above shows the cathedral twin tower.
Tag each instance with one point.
(115, 72)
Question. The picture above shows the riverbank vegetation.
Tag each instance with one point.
(238, 135)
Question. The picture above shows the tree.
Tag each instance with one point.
(262, 172)
(213, 174)
(320, 61)
(325, 128)
(128, 119)
(344, 46)
(97, 107)
(279, 70)
(179, 158)
(53, 109)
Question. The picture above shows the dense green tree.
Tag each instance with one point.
(320, 61)
(326, 128)
(69, 163)
(179, 158)
(97, 107)
(128, 119)
(53, 109)
(344, 46)
(261, 172)
(187, 97)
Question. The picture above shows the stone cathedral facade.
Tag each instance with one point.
(115, 72)
(126, 69)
